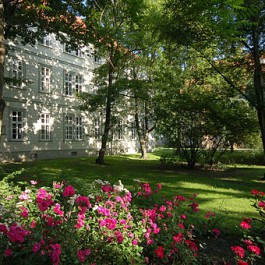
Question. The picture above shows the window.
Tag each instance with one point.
(118, 133)
(72, 81)
(79, 128)
(133, 131)
(68, 84)
(73, 51)
(79, 82)
(73, 127)
(45, 132)
(45, 81)
(97, 128)
(17, 127)
(47, 40)
(17, 71)
(69, 128)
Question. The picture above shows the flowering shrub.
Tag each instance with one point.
(56, 225)
(252, 246)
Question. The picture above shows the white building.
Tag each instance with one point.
(42, 117)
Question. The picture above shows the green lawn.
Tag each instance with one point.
(227, 193)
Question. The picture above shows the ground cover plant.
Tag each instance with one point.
(226, 193)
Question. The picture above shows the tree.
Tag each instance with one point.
(230, 27)
(32, 20)
(115, 27)
(195, 113)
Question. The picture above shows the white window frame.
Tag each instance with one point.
(76, 52)
(133, 131)
(79, 128)
(69, 127)
(73, 127)
(47, 40)
(17, 70)
(97, 128)
(68, 83)
(45, 130)
(45, 79)
(17, 125)
(73, 83)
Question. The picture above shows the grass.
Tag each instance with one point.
(227, 193)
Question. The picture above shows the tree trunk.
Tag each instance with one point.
(105, 136)
(2, 61)
(259, 86)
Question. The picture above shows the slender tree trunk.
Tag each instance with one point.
(2, 61)
(105, 136)
(259, 86)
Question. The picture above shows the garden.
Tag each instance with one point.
(131, 211)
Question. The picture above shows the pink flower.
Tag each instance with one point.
(239, 251)
(57, 185)
(160, 252)
(16, 233)
(69, 191)
(194, 206)
(55, 253)
(44, 200)
(83, 201)
(80, 220)
(254, 249)
(82, 254)
(159, 186)
(8, 252)
(162, 208)
(33, 224)
(134, 242)
(107, 188)
(180, 198)
(57, 209)
(183, 216)
(248, 242)
(181, 226)
(110, 223)
(33, 182)
(24, 196)
(3, 228)
(216, 232)
(245, 225)
(191, 245)
(178, 238)
(119, 237)
(261, 204)
(24, 212)
(36, 247)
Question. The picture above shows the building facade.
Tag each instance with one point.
(42, 118)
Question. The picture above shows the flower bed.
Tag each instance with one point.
(109, 225)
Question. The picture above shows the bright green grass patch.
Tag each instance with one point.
(227, 193)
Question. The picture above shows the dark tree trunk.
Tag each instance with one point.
(105, 136)
(2, 61)
(259, 85)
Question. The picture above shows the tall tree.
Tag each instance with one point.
(115, 25)
(230, 27)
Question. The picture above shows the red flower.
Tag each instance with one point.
(255, 192)
(191, 245)
(106, 188)
(160, 252)
(254, 249)
(69, 191)
(178, 238)
(239, 251)
(245, 225)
